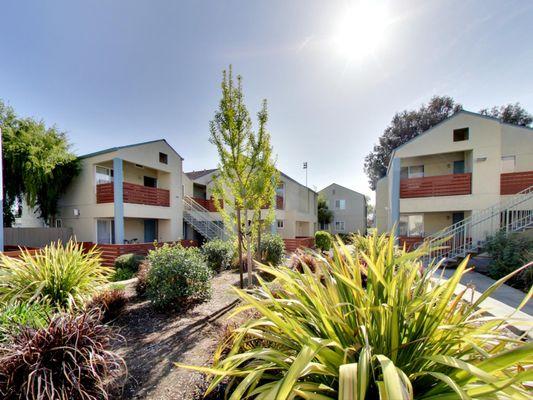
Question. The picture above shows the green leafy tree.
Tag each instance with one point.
(37, 164)
(511, 114)
(247, 176)
(404, 126)
(325, 215)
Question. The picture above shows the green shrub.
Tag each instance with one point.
(122, 274)
(61, 275)
(508, 253)
(176, 275)
(17, 315)
(402, 335)
(323, 240)
(69, 358)
(218, 254)
(129, 262)
(272, 249)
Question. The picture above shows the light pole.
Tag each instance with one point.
(305, 167)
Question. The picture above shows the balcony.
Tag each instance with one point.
(433, 186)
(134, 194)
(514, 182)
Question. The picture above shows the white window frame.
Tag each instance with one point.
(110, 170)
(409, 224)
(410, 174)
(343, 229)
(111, 221)
(342, 204)
(282, 226)
(58, 223)
(506, 159)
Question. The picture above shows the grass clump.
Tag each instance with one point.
(62, 276)
(367, 326)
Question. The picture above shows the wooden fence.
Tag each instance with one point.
(431, 186)
(298, 243)
(35, 237)
(514, 182)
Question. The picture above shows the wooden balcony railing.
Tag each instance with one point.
(134, 194)
(514, 182)
(431, 186)
(209, 204)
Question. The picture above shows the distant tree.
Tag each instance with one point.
(325, 215)
(510, 113)
(37, 164)
(404, 126)
(247, 176)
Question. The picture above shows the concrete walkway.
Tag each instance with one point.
(503, 301)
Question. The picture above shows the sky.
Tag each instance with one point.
(334, 73)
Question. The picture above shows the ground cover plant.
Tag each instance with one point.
(14, 316)
(177, 275)
(218, 254)
(69, 358)
(373, 325)
(61, 275)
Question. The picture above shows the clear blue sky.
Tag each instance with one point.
(117, 72)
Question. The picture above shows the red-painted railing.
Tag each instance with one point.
(431, 186)
(514, 182)
(135, 194)
(209, 205)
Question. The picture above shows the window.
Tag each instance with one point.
(340, 204)
(280, 196)
(280, 223)
(58, 223)
(103, 175)
(339, 226)
(460, 135)
(105, 231)
(415, 171)
(411, 225)
(150, 181)
(508, 164)
(163, 158)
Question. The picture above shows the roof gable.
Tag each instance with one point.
(113, 149)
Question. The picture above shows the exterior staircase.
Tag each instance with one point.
(452, 244)
(206, 223)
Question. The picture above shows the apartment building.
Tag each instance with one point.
(458, 170)
(295, 214)
(127, 194)
(348, 207)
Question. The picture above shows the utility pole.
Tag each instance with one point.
(305, 167)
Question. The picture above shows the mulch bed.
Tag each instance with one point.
(154, 341)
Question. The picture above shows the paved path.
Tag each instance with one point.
(503, 301)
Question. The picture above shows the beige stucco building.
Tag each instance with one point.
(463, 165)
(348, 207)
(126, 194)
(296, 205)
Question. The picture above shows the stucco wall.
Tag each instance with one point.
(382, 205)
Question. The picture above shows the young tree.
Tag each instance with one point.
(247, 176)
(37, 164)
(324, 214)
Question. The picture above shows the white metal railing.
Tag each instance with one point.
(469, 235)
(202, 220)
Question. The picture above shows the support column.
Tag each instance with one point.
(118, 180)
(394, 195)
(1, 197)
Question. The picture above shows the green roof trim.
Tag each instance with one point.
(113, 149)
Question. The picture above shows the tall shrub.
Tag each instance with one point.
(64, 276)
(272, 249)
(367, 327)
(323, 240)
(176, 275)
(508, 253)
(218, 254)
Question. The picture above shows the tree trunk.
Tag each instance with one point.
(249, 259)
(239, 246)
(258, 252)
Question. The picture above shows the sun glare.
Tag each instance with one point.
(361, 30)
